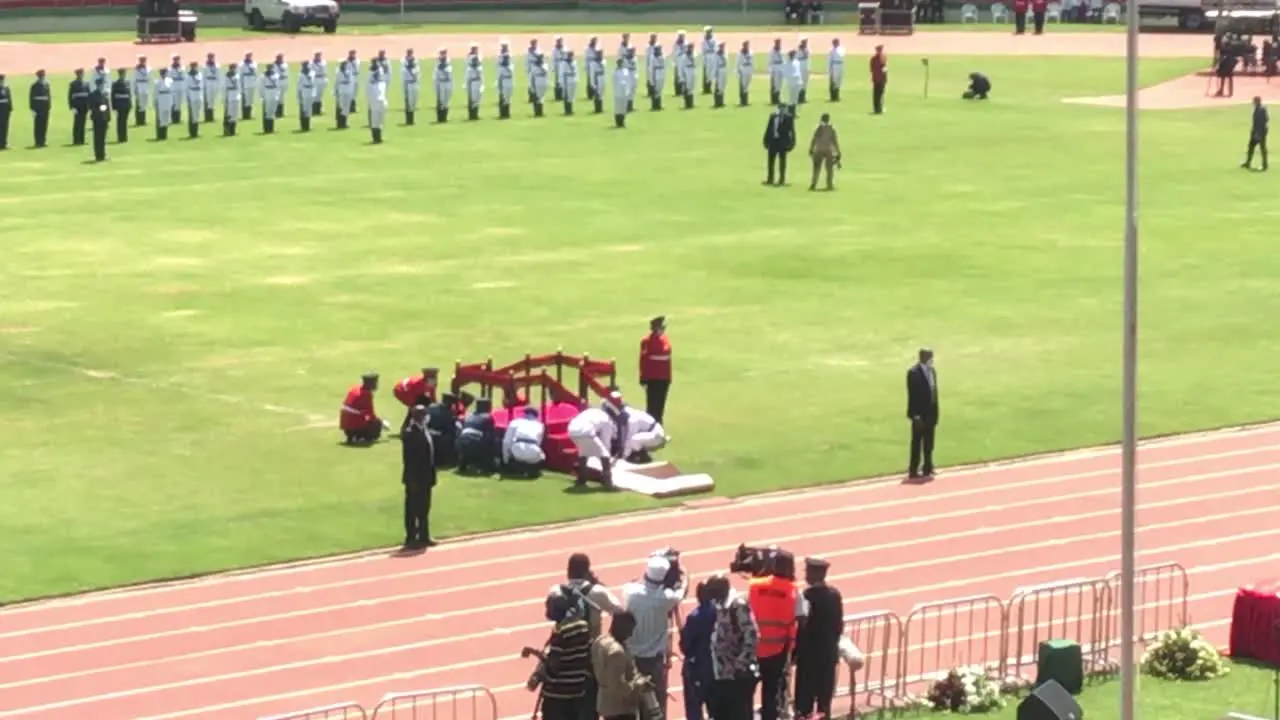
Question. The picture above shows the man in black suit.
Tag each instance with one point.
(922, 410)
(419, 479)
(1257, 135)
(779, 139)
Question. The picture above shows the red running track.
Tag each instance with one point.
(246, 644)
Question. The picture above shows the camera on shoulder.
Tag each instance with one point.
(675, 573)
(753, 561)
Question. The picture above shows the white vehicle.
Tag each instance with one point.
(292, 15)
(1201, 14)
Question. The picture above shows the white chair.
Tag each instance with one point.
(1095, 10)
(999, 13)
(1111, 13)
(1053, 13)
(968, 13)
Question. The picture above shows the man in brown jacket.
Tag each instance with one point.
(621, 690)
(825, 151)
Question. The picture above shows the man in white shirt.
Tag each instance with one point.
(644, 435)
(593, 430)
(802, 57)
(835, 69)
(652, 605)
(522, 453)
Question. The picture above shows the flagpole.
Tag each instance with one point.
(1128, 460)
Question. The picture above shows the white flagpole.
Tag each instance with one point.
(1128, 493)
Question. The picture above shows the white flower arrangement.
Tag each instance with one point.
(965, 691)
(1182, 654)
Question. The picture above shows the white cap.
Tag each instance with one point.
(680, 32)
(656, 570)
(706, 28)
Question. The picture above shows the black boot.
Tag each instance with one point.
(688, 101)
(742, 99)
(774, 98)
(208, 114)
(532, 99)
(408, 117)
(679, 89)
(631, 106)
(440, 115)
(175, 117)
(280, 110)
(537, 109)
(620, 120)
(504, 111)
(803, 97)
(162, 132)
(317, 109)
(655, 102)
(246, 112)
(706, 86)
(559, 93)
(268, 125)
(377, 136)
(231, 128)
(193, 130)
(352, 111)
(568, 107)
(140, 118)
(306, 122)
(599, 104)
(649, 91)
(473, 112)
(719, 100)
(342, 122)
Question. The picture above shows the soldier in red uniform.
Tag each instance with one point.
(417, 390)
(1020, 17)
(358, 421)
(655, 367)
(879, 79)
(1038, 10)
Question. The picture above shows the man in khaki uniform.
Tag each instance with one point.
(825, 151)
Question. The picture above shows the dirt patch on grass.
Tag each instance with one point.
(1191, 91)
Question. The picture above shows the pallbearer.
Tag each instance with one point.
(720, 75)
(345, 90)
(196, 96)
(657, 77)
(539, 81)
(443, 85)
(121, 103)
(776, 69)
(141, 91)
(746, 71)
(377, 101)
(212, 81)
(165, 100)
(282, 77)
(802, 57)
(320, 76)
(595, 74)
(248, 72)
(475, 86)
(835, 69)
(232, 100)
(687, 67)
(568, 80)
(649, 51)
(306, 96)
(411, 81)
(530, 59)
(385, 64)
(621, 79)
(177, 86)
(270, 100)
(506, 86)
(633, 67)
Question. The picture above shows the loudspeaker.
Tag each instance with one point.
(1050, 701)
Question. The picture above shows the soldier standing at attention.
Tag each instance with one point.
(1257, 134)
(78, 101)
(818, 642)
(100, 112)
(922, 411)
(122, 103)
(40, 100)
(655, 367)
(377, 97)
(6, 110)
(825, 151)
(232, 101)
(879, 79)
(1020, 16)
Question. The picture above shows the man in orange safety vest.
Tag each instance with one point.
(777, 606)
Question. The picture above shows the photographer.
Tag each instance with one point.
(652, 600)
(566, 666)
(776, 605)
(734, 640)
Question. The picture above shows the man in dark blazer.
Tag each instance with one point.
(922, 411)
(779, 139)
(419, 478)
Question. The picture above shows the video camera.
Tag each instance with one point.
(753, 561)
(675, 574)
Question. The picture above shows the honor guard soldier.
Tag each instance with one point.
(319, 76)
(385, 64)
(687, 67)
(121, 103)
(306, 96)
(212, 81)
(478, 443)
(232, 101)
(165, 103)
(594, 62)
(353, 66)
(474, 75)
(530, 59)
(358, 420)
(99, 74)
(345, 93)
(443, 82)
(835, 69)
(709, 46)
(719, 75)
(802, 57)
(506, 86)
(248, 73)
(197, 95)
(78, 101)
(177, 89)
(557, 57)
(538, 82)
(677, 52)
(568, 80)
(141, 91)
(879, 79)
(40, 101)
(6, 111)
(417, 389)
(776, 62)
(649, 51)
(377, 102)
(270, 99)
(633, 83)
(655, 367)
(818, 638)
(100, 116)
(746, 71)
(282, 77)
(792, 76)
(411, 80)
(657, 68)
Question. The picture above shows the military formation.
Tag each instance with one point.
(196, 94)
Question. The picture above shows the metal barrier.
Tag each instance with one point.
(463, 702)
(1078, 610)
(1160, 601)
(963, 632)
(339, 711)
(878, 636)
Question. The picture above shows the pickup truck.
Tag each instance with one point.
(292, 15)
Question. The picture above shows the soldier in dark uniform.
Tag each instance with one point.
(100, 112)
(418, 477)
(477, 442)
(40, 100)
(818, 642)
(121, 103)
(443, 425)
(78, 101)
(1257, 134)
(6, 110)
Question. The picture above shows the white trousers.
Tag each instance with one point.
(589, 446)
(411, 97)
(377, 115)
(195, 107)
(233, 106)
(247, 94)
(444, 91)
(651, 440)
(527, 453)
(837, 76)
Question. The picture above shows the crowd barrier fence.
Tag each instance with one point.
(337, 711)
(427, 704)
(1078, 610)
(961, 632)
(1160, 600)
(878, 635)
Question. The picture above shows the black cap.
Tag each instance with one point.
(369, 376)
(816, 563)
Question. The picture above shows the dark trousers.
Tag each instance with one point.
(697, 693)
(4, 129)
(655, 396)
(732, 699)
(821, 163)
(815, 685)
(587, 708)
(365, 435)
(777, 158)
(1020, 22)
(877, 96)
(1038, 18)
(77, 127)
(100, 141)
(773, 677)
(561, 709)
(476, 455)
(655, 668)
(41, 128)
(922, 441)
(1257, 142)
(417, 509)
(122, 126)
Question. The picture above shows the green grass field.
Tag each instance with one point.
(174, 324)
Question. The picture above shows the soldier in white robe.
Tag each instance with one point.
(644, 435)
(802, 57)
(197, 96)
(593, 58)
(212, 79)
(709, 45)
(165, 101)
(687, 67)
(178, 82)
(621, 91)
(270, 99)
(776, 72)
(443, 83)
(594, 430)
(232, 101)
(411, 83)
(657, 68)
(141, 91)
(353, 67)
(248, 73)
(648, 61)
(282, 77)
(557, 57)
(568, 80)
(506, 85)
(377, 97)
(835, 69)
(792, 78)
(385, 64)
(345, 93)
(320, 76)
(746, 72)
(719, 75)
(677, 52)
(530, 58)
(306, 96)
(474, 77)
(540, 80)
